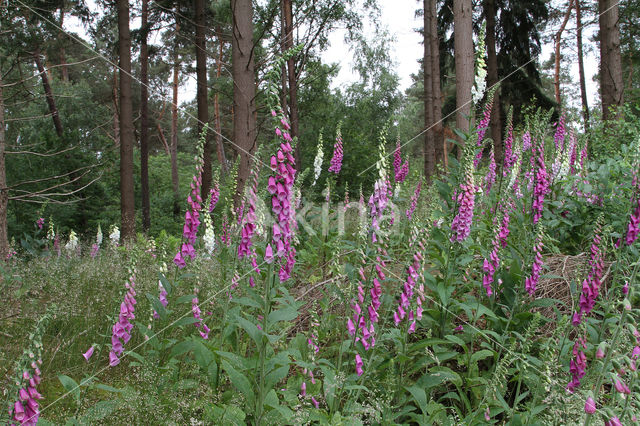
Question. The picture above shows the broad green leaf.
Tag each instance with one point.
(240, 382)
(284, 314)
(420, 396)
(185, 321)
(70, 386)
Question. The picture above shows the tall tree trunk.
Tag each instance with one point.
(63, 55)
(4, 192)
(202, 94)
(293, 79)
(583, 85)
(116, 108)
(127, 198)
(611, 85)
(438, 134)
(558, 39)
(53, 110)
(144, 119)
(216, 103)
(429, 148)
(173, 148)
(244, 89)
(463, 52)
(492, 79)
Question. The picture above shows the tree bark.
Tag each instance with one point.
(144, 119)
(558, 39)
(293, 79)
(53, 110)
(202, 94)
(463, 52)
(222, 156)
(438, 134)
(116, 109)
(427, 69)
(4, 192)
(127, 199)
(583, 86)
(244, 89)
(173, 148)
(492, 79)
(611, 84)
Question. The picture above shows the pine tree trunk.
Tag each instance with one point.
(4, 192)
(583, 86)
(244, 89)
(116, 109)
(438, 129)
(429, 147)
(293, 79)
(216, 103)
(492, 79)
(611, 84)
(558, 39)
(53, 110)
(201, 93)
(144, 120)
(127, 198)
(173, 147)
(463, 52)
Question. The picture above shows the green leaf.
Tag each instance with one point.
(187, 298)
(284, 314)
(246, 301)
(70, 386)
(181, 348)
(107, 388)
(477, 356)
(240, 382)
(252, 330)
(185, 321)
(420, 396)
(165, 282)
(456, 340)
(157, 306)
(275, 376)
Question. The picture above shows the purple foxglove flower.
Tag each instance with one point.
(303, 389)
(18, 411)
(590, 406)
(487, 414)
(359, 364)
(336, 160)
(113, 359)
(23, 394)
(614, 421)
(88, 354)
(315, 403)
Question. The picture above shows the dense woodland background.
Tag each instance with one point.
(82, 138)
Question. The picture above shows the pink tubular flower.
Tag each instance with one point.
(509, 156)
(574, 152)
(590, 406)
(400, 170)
(531, 282)
(88, 353)
(614, 421)
(214, 194)
(162, 297)
(121, 330)
(248, 229)
(578, 365)
(414, 201)
(408, 291)
(490, 178)
(461, 225)
(591, 284)
(191, 217)
(542, 184)
(377, 205)
(483, 125)
(336, 160)
(633, 229)
(359, 364)
(195, 309)
(40, 222)
(283, 205)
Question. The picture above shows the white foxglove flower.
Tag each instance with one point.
(477, 91)
(317, 162)
(72, 244)
(99, 236)
(114, 236)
